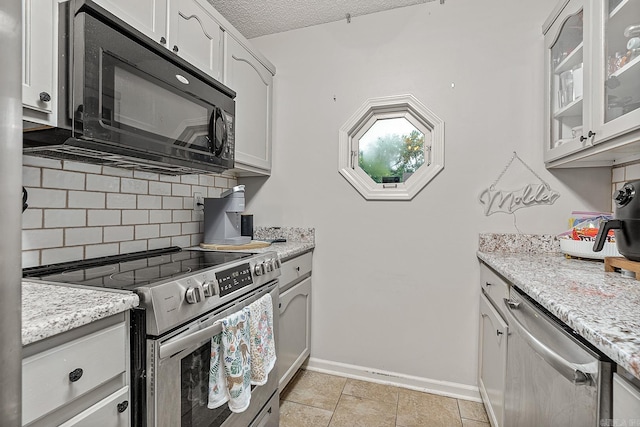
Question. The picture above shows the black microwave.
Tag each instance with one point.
(126, 101)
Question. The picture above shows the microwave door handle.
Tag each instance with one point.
(567, 369)
(215, 148)
(172, 347)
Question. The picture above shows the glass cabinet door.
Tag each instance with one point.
(620, 95)
(566, 63)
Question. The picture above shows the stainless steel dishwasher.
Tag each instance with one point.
(553, 377)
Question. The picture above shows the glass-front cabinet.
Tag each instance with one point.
(592, 90)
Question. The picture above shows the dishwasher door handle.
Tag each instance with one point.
(567, 369)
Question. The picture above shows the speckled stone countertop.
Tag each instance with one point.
(299, 241)
(604, 308)
(49, 309)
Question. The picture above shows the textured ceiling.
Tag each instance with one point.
(254, 18)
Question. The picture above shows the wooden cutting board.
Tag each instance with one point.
(254, 244)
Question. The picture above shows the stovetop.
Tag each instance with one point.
(130, 271)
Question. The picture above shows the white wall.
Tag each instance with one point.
(396, 283)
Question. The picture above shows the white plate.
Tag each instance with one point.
(584, 249)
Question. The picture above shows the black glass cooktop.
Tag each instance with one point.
(130, 271)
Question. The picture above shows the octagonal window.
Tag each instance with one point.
(391, 148)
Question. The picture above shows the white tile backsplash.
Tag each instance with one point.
(103, 217)
(150, 231)
(181, 190)
(118, 234)
(106, 249)
(121, 201)
(632, 172)
(46, 198)
(137, 186)
(42, 238)
(82, 236)
(160, 188)
(59, 218)
(52, 178)
(149, 202)
(79, 210)
(50, 256)
(103, 183)
(86, 199)
(134, 217)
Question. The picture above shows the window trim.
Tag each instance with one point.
(375, 109)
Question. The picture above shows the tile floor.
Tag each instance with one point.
(313, 399)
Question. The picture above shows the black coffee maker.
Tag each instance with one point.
(626, 223)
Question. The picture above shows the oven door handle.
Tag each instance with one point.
(571, 371)
(172, 347)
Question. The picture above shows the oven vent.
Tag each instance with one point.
(86, 155)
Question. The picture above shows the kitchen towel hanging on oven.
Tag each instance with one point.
(230, 371)
(263, 348)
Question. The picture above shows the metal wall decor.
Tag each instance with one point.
(494, 200)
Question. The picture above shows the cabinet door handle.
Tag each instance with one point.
(163, 40)
(175, 48)
(298, 269)
(123, 406)
(45, 97)
(591, 134)
(583, 138)
(487, 284)
(75, 375)
(499, 332)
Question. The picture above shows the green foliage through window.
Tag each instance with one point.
(391, 157)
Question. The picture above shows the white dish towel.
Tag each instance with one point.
(230, 369)
(263, 348)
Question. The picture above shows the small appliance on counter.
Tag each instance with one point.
(626, 223)
(222, 218)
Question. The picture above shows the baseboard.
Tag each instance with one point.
(443, 388)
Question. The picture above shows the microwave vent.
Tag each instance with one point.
(84, 155)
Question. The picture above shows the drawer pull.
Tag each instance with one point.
(487, 284)
(298, 269)
(123, 406)
(75, 375)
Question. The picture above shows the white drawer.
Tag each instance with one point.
(494, 286)
(295, 268)
(47, 376)
(113, 411)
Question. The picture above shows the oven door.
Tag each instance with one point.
(178, 374)
(131, 96)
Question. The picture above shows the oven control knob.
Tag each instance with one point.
(259, 269)
(209, 288)
(195, 294)
(276, 264)
(269, 265)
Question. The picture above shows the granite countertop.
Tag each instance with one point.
(298, 241)
(604, 308)
(49, 309)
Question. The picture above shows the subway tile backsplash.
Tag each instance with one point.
(79, 211)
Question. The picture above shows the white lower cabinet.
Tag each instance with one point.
(492, 356)
(294, 336)
(79, 378)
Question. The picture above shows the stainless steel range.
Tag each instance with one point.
(183, 295)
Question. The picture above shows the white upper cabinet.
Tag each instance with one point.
(592, 90)
(253, 84)
(38, 60)
(195, 35)
(147, 16)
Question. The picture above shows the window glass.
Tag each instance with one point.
(391, 150)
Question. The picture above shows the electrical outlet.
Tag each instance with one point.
(198, 202)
